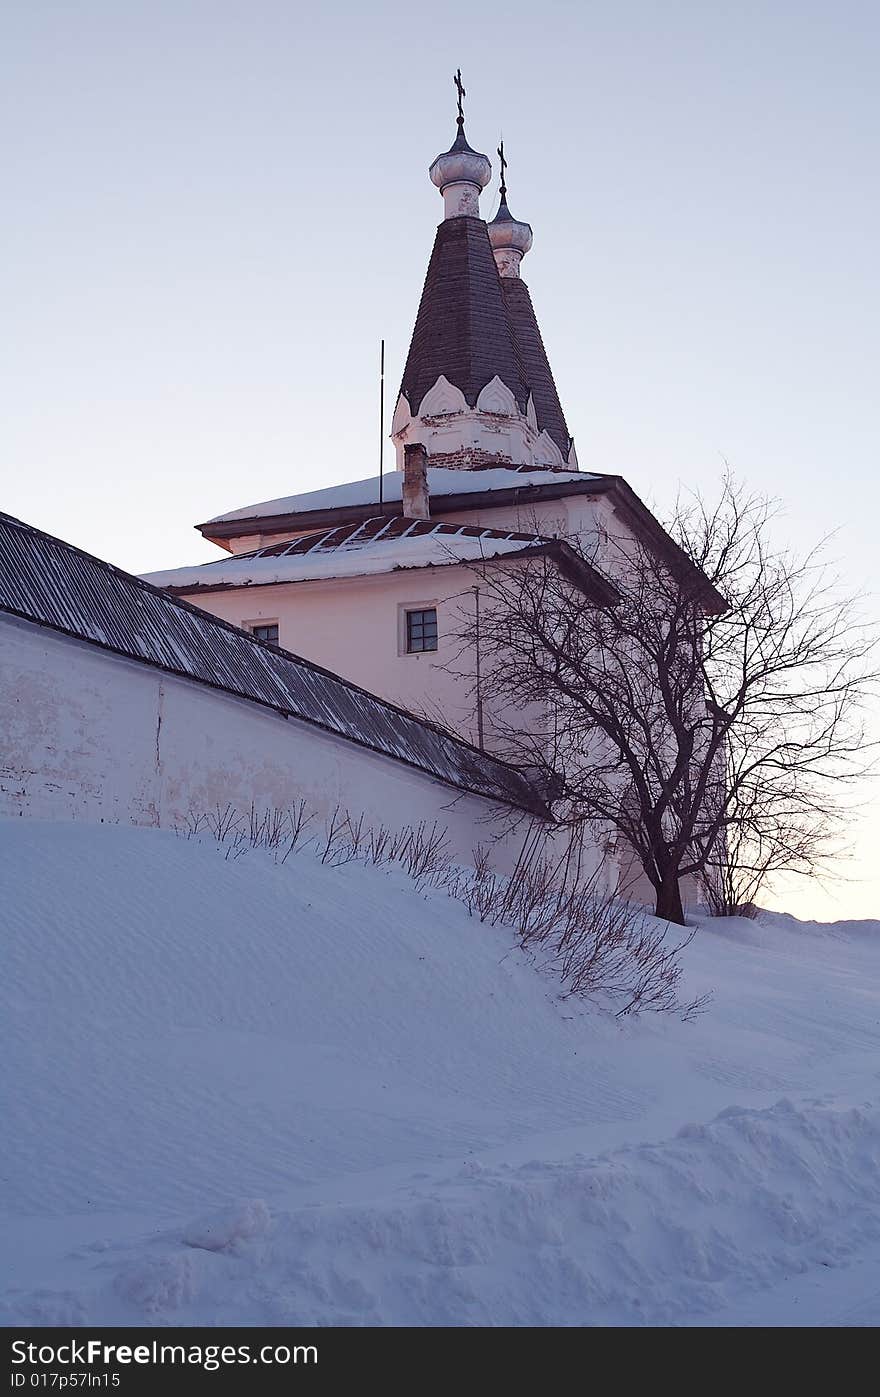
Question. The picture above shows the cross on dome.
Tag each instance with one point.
(477, 389)
(503, 160)
(460, 173)
(510, 239)
(459, 87)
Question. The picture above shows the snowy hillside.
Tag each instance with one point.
(244, 1093)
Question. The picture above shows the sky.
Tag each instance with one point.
(216, 209)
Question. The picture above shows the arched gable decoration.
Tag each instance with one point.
(441, 400)
(497, 397)
(402, 415)
(547, 452)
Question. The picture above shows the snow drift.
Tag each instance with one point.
(241, 1093)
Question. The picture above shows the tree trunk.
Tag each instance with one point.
(669, 902)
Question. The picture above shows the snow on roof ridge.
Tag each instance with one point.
(441, 481)
(279, 564)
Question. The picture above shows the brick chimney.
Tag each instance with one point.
(415, 482)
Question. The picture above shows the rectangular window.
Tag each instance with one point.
(421, 631)
(267, 632)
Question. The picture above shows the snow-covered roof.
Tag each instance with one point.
(377, 545)
(51, 583)
(363, 492)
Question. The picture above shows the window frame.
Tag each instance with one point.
(404, 630)
(260, 625)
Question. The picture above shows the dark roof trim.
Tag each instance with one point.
(51, 583)
(574, 568)
(578, 571)
(315, 519)
(636, 513)
(597, 587)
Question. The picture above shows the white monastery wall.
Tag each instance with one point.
(88, 735)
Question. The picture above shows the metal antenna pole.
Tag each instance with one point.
(381, 421)
(479, 677)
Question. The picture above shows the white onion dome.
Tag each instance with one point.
(460, 173)
(460, 165)
(510, 239)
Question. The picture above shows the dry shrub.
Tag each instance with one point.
(565, 918)
(597, 944)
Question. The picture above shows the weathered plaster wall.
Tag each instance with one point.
(87, 735)
(460, 437)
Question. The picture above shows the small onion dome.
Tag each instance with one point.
(510, 240)
(460, 165)
(460, 173)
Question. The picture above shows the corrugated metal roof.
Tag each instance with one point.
(45, 580)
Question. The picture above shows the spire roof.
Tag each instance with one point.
(539, 376)
(473, 323)
(462, 328)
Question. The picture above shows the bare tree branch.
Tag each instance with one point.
(713, 742)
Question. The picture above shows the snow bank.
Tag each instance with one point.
(227, 1229)
(237, 1093)
(653, 1235)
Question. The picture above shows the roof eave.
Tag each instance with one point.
(637, 513)
(314, 519)
(632, 508)
(219, 530)
(591, 582)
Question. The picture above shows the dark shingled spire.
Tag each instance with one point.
(462, 329)
(473, 324)
(475, 319)
(539, 377)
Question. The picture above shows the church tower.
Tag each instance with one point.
(477, 389)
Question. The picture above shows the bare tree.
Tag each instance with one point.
(709, 722)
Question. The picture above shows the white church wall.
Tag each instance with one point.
(576, 515)
(92, 736)
(354, 627)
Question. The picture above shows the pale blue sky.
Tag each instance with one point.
(214, 210)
